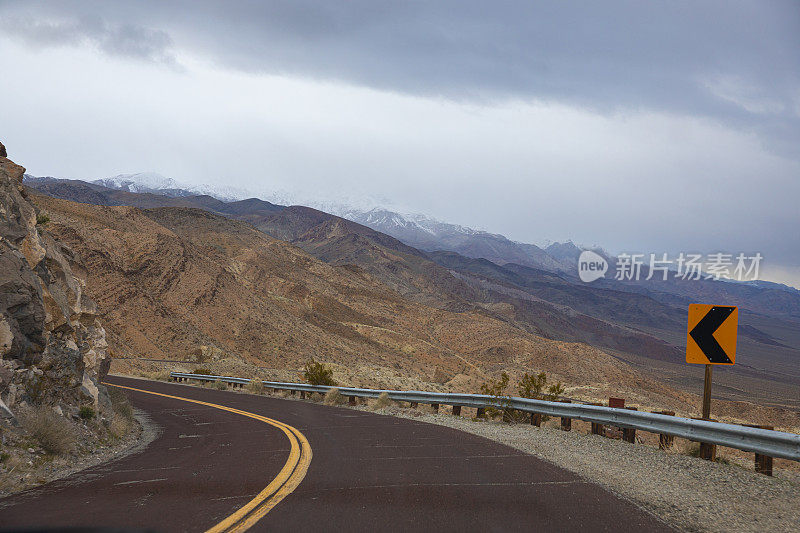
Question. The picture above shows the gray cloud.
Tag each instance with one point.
(650, 126)
(738, 63)
(120, 40)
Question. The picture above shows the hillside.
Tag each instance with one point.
(642, 324)
(171, 281)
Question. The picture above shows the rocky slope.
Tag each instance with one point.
(52, 345)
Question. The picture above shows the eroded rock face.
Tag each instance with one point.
(53, 348)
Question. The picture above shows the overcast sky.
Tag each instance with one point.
(651, 127)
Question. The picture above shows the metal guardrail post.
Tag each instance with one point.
(708, 451)
(480, 412)
(566, 423)
(763, 463)
(665, 441)
(598, 428)
(536, 419)
(352, 400)
(629, 434)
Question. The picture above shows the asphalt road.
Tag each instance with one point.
(363, 472)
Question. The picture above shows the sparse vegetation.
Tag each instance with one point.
(318, 374)
(382, 401)
(42, 219)
(86, 412)
(202, 371)
(530, 386)
(693, 450)
(119, 401)
(256, 386)
(122, 422)
(53, 433)
(220, 385)
(334, 397)
(497, 389)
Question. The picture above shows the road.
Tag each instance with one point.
(236, 461)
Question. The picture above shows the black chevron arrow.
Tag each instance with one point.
(703, 333)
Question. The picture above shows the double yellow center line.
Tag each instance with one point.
(290, 476)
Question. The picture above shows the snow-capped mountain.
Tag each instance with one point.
(417, 230)
(429, 234)
(139, 182)
(152, 182)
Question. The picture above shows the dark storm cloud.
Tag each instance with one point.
(738, 62)
(121, 40)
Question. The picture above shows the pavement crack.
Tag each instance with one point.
(140, 481)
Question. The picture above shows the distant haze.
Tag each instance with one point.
(660, 127)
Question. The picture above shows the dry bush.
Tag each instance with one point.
(334, 397)
(161, 375)
(256, 386)
(318, 374)
(119, 401)
(220, 385)
(122, 423)
(382, 401)
(53, 433)
(120, 426)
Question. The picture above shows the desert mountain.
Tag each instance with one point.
(172, 280)
(641, 323)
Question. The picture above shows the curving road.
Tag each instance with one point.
(228, 462)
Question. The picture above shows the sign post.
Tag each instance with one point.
(707, 393)
(711, 340)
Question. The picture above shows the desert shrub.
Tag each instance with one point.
(334, 397)
(500, 401)
(318, 374)
(42, 219)
(202, 370)
(160, 375)
(382, 401)
(122, 423)
(220, 385)
(120, 426)
(120, 403)
(53, 433)
(256, 386)
(86, 412)
(554, 392)
(4, 457)
(535, 386)
(530, 386)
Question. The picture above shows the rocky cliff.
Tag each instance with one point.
(52, 345)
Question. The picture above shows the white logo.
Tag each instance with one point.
(591, 266)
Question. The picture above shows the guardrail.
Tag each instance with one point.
(766, 443)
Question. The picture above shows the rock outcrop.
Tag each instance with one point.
(53, 348)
